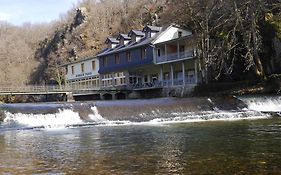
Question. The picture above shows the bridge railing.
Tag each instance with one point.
(38, 89)
(33, 88)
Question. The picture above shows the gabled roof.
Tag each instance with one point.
(131, 45)
(111, 40)
(142, 42)
(167, 29)
(152, 28)
(78, 61)
(136, 32)
(124, 36)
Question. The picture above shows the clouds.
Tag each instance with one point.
(34, 11)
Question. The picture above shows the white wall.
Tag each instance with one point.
(170, 34)
(88, 71)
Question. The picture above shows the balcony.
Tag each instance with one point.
(175, 57)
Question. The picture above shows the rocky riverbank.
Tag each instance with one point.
(272, 85)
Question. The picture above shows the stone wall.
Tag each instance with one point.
(178, 91)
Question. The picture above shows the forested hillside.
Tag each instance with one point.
(235, 39)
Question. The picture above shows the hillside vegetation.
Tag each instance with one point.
(236, 40)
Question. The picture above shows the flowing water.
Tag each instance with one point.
(221, 135)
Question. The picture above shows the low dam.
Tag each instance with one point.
(206, 135)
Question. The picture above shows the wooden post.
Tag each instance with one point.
(165, 52)
(172, 74)
(183, 73)
(195, 71)
(178, 49)
(161, 75)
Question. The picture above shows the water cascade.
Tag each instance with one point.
(132, 112)
(263, 103)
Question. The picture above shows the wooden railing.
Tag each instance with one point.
(175, 56)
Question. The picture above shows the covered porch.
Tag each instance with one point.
(180, 73)
(174, 50)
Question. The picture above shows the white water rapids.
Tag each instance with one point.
(68, 118)
(263, 104)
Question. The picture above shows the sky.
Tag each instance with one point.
(18, 12)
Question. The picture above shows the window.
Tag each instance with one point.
(72, 70)
(93, 65)
(117, 59)
(182, 48)
(66, 70)
(143, 53)
(105, 62)
(82, 67)
(148, 34)
(158, 52)
(129, 58)
(179, 34)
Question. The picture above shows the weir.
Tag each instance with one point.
(129, 112)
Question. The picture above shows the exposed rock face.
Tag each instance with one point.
(62, 46)
(81, 16)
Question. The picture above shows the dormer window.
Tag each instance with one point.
(148, 34)
(150, 31)
(123, 39)
(111, 42)
(136, 35)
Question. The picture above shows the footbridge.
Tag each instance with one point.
(71, 93)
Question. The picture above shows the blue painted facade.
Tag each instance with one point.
(124, 63)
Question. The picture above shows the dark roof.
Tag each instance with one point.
(136, 32)
(131, 45)
(152, 28)
(125, 36)
(112, 40)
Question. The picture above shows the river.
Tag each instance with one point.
(159, 136)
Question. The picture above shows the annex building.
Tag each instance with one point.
(83, 74)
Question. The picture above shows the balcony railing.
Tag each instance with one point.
(175, 56)
(165, 83)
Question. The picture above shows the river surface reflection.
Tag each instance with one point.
(236, 147)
